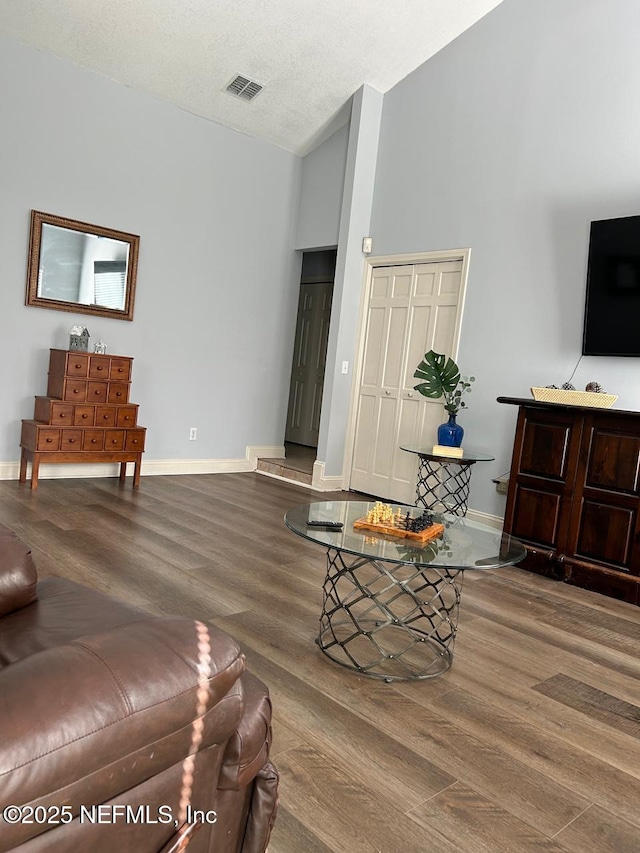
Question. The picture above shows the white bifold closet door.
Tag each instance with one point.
(412, 308)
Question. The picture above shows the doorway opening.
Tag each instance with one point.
(308, 369)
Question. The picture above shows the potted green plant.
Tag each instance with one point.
(441, 378)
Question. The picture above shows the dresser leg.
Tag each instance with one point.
(136, 470)
(35, 465)
(123, 471)
(23, 466)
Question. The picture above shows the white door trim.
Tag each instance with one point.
(439, 256)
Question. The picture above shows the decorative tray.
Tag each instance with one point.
(574, 398)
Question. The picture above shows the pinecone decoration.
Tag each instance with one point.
(596, 387)
(567, 386)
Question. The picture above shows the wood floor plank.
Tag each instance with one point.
(473, 761)
(291, 836)
(547, 754)
(351, 819)
(494, 678)
(598, 831)
(541, 655)
(533, 619)
(611, 710)
(476, 825)
(526, 792)
(356, 745)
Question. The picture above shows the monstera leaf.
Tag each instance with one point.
(440, 375)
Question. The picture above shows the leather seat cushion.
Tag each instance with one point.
(63, 612)
(17, 573)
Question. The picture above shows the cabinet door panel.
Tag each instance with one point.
(545, 449)
(537, 515)
(613, 461)
(606, 533)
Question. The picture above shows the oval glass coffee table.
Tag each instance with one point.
(390, 605)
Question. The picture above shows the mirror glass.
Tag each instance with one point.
(74, 266)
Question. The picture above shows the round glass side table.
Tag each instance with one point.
(443, 481)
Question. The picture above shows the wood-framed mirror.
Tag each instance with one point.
(83, 268)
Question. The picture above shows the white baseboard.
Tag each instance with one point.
(288, 480)
(275, 451)
(496, 521)
(324, 484)
(150, 467)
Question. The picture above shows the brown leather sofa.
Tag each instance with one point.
(98, 713)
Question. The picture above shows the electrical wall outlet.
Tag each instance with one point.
(193, 433)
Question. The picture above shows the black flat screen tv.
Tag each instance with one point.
(612, 308)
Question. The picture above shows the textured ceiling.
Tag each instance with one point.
(309, 55)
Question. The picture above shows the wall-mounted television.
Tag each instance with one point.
(612, 309)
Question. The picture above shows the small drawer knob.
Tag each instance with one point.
(100, 367)
(94, 441)
(62, 415)
(75, 391)
(72, 441)
(118, 393)
(49, 440)
(85, 416)
(78, 366)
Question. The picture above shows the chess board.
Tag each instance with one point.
(425, 535)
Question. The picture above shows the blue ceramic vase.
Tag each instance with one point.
(451, 433)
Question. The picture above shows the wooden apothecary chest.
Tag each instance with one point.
(85, 417)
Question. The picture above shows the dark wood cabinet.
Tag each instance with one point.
(85, 417)
(574, 495)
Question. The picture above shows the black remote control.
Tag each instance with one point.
(329, 525)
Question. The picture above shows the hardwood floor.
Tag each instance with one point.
(531, 742)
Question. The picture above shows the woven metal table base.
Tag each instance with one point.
(388, 620)
(443, 487)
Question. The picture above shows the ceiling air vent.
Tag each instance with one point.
(243, 88)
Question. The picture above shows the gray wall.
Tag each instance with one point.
(321, 192)
(510, 141)
(218, 275)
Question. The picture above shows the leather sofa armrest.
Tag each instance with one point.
(83, 722)
(18, 576)
(248, 749)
